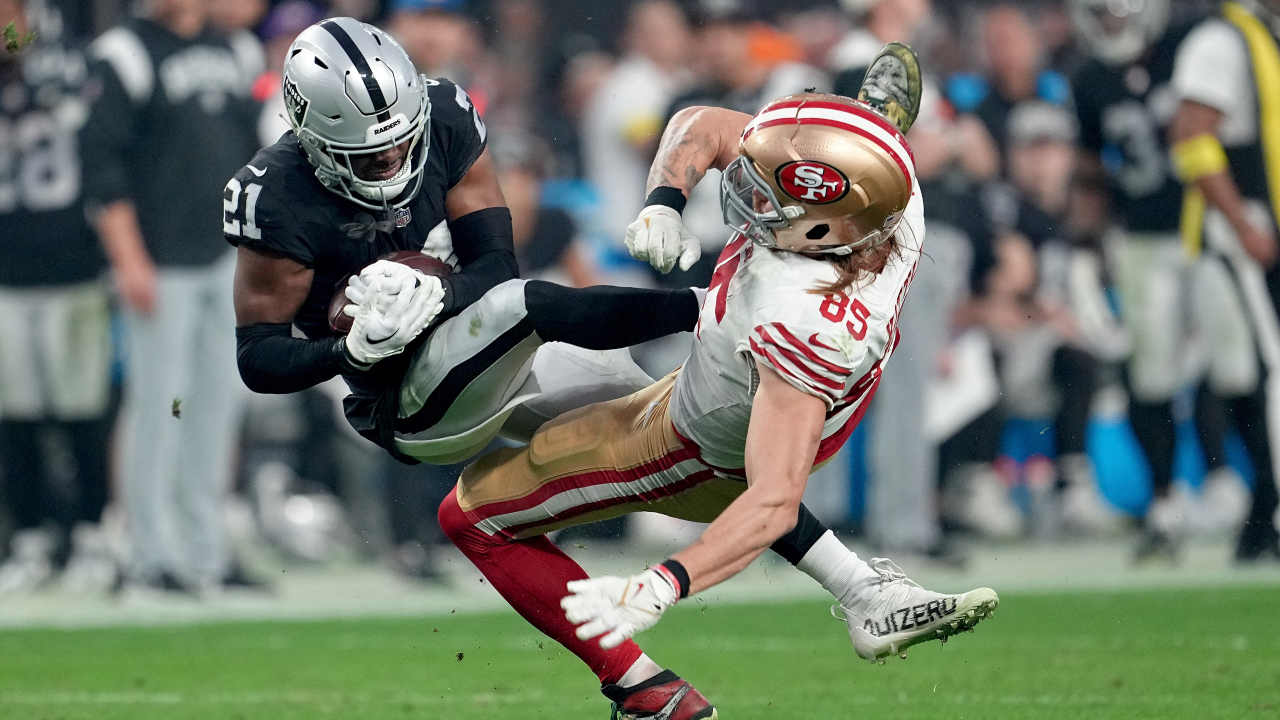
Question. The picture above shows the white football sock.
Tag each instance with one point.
(642, 669)
(839, 570)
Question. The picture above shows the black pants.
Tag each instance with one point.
(28, 490)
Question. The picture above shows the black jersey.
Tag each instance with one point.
(44, 237)
(275, 205)
(174, 117)
(1124, 117)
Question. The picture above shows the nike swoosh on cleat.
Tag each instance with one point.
(256, 171)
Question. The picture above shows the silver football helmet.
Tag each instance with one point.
(1119, 31)
(350, 89)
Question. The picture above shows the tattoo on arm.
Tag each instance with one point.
(683, 157)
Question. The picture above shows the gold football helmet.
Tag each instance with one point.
(818, 174)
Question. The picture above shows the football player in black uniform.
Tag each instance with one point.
(55, 350)
(1125, 104)
(378, 158)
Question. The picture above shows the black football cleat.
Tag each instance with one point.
(662, 697)
(1257, 541)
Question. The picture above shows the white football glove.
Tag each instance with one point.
(358, 284)
(411, 302)
(659, 237)
(618, 608)
(356, 290)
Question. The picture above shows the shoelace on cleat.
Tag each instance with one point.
(890, 574)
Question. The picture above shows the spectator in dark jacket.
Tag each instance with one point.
(173, 121)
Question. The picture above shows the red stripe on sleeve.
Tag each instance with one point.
(800, 363)
(782, 369)
(803, 348)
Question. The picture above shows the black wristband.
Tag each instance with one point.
(348, 363)
(681, 575)
(666, 195)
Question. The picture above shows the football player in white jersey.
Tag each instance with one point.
(797, 326)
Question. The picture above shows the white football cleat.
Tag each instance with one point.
(92, 567)
(30, 565)
(1223, 504)
(902, 614)
(975, 498)
(1084, 510)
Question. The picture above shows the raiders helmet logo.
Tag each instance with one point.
(294, 103)
(812, 182)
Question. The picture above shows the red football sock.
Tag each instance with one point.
(532, 575)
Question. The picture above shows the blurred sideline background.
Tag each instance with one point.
(1021, 323)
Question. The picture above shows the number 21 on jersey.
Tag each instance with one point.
(834, 308)
(231, 207)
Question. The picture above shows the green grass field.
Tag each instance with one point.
(1166, 654)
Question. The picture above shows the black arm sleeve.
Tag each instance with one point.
(272, 361)
(487, 254)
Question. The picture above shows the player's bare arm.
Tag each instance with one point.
(477, 190)
(1201, 160)
(267, 289)
(696, 140)
(782, 440)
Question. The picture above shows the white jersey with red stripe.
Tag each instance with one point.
(761, 309)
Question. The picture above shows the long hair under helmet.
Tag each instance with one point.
(818, 173)
(350, 89)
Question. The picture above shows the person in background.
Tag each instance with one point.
(172, 121)
(520, 63)
(741, 64)
(442, 41)
(1052, 338)
(1223, 152)
(1014, 56)
(1124, 102)
(545, 238)
(876, 22)
(950, 152)
(279, 30)
(55, 350)
(625, 115)
(817, 29)
(237, 19)
(581, 77)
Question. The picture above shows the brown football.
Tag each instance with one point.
(340, 322)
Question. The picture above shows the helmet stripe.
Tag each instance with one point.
(852, 123)
(891, 140)
(371, 85)
(865, 122)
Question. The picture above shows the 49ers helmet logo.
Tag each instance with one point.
(810, 181)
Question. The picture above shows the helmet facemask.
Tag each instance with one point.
(333, 165)
(350, 90)
(752, 205)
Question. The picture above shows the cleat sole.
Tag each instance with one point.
(977, 605)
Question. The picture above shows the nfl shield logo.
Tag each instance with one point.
(403, 217)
